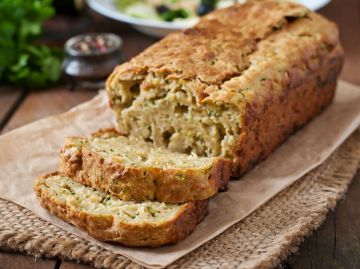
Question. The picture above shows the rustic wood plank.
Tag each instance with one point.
(346, 13)
(40, 104)
(70, 265)
(336, 244)
(347, 229)
(18, 261)
(9, 98)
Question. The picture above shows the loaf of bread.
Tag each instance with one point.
(109, 219)
(236, 85)
(131, 169)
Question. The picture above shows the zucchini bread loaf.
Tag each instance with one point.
(110, 219)
(131, 169)
(236, 85)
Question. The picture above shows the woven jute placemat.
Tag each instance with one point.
(261, 240)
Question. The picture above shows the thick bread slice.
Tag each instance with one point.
(109, 219)
(132, 169)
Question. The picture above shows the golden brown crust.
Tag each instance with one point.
(268, 124)
(108, 228)
(169, 185)
(275, 64)
(108, 132)
(219, 47)
(189, 54)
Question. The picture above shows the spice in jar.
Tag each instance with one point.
(92, 44)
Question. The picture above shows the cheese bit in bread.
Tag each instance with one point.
(132, 169)
(110, 219)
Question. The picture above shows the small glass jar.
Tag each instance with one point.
(90, 58)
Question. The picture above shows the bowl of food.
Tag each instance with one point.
(159, 17)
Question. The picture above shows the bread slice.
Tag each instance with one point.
(110, 219)
(132, 169)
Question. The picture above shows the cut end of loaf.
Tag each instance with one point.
(132, 152)
(175, 94)
(167, 113)
(206, 90)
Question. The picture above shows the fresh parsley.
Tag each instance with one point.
(22, 62)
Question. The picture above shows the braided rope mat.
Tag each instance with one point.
(261, 240)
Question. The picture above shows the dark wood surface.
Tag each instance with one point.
(336, 244)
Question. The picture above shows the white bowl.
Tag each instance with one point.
(156, 28)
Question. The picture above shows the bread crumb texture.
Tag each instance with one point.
(132, 169)
(110, 219)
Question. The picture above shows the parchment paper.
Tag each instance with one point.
(32, 150)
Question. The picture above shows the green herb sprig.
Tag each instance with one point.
(21, 61)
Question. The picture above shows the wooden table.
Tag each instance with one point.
(335, 245)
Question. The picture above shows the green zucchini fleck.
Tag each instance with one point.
(180, 177)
